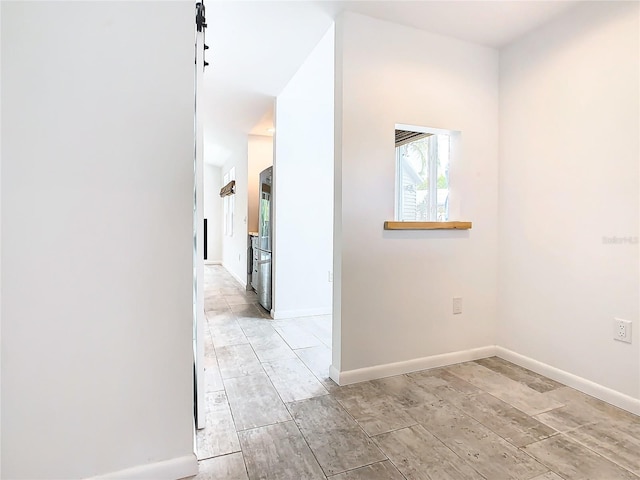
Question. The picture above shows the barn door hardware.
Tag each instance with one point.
(201, 24)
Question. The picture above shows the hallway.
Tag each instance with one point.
(273, 412)
(253, 366)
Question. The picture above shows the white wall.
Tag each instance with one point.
(213, 212)
(97, 197)
(395, 298)
(568, 179)
(252, 154)
(260, 152)
(303, 179)
(234, 247)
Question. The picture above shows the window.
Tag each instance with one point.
(422, 174)
(229, 203)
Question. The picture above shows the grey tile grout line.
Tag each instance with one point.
(313, 373)
(491, 429)
(485, 426)
(226, 396)
(344, 409)
(359, 426)
(554, 434)
(606, 457)
(470, 465)
(432, 433)
(362, 430)
(371, 437)
(482, 391)
(283, 402)
(566, 434)
(292, 419)
(381, 433)
(476, 420)
(367, 465)
(286, 404)
(305, 440)
(224, 387)
(289, 411)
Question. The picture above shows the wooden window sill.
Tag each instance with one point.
(427, 225)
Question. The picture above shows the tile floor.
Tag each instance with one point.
(273, 412)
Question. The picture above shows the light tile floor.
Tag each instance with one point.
(273, 412)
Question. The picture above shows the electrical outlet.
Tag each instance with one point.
(457, 305)
(622, 330)
(330, 276)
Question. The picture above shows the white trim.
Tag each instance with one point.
(240, 281)
(589, 387)
(380, 371)
(173, 469)
(213, 262)
(586, 386)
(309, 312)
(334, 374)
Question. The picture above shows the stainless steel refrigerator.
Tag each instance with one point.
(265, 235)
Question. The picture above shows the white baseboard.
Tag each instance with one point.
(240, 281)
(380, 371)
(586, 386)
(601, 392)
(309, 312)
(334, 374)
(213, 262)
(173, 469)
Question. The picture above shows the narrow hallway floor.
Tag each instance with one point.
(273, 412)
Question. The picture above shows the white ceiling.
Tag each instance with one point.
(257, 46)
